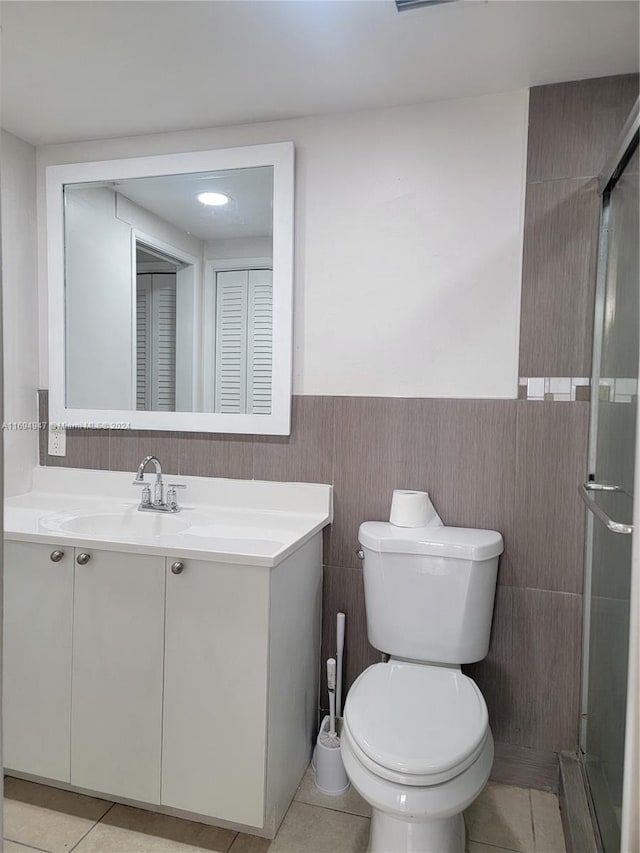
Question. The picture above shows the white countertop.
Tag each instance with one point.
(247, 522)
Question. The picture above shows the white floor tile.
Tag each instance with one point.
(502, 816)
(15, 847)
(547, 823)
(139, 831)
(310, 829)
(351, 802)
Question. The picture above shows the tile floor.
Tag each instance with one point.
(504, 819)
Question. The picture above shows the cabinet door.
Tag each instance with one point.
(215, 690)
(118, 631)
(38, 601)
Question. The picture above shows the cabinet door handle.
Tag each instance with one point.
(83, 559)
(56, 556)
(177, 568)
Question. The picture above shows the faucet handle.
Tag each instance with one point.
(172, 498)
(145, 498)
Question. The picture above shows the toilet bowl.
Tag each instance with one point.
(416, 745)
(416, 742)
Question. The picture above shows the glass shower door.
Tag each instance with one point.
(609, 496)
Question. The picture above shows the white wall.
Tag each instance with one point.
(20, 310)
(239, 247)
(408, 241)
(99, 302)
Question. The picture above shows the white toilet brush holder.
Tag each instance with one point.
(331, 777)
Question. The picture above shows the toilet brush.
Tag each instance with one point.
(330, 738)
(340, 625)
(331, 777)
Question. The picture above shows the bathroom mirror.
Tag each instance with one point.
(170, 291)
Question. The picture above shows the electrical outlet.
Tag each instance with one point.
(57, 441)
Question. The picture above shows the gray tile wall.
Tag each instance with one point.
(572, 130)
(512, 465)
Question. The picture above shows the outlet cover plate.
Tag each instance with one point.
(57, 441)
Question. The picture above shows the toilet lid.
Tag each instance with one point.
(415, 719)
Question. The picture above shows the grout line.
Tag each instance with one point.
(493, 846)
(233, 841)
(331, 808)
(181, 450)
(533, 826)
(327, 809)
(568, 178)
(330, 537)
(100, 819)
(333, 441)
(106, 811)
(251, 437)
(340, 568)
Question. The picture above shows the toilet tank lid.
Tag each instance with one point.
(464, 543)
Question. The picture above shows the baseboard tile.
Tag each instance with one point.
(528, 768)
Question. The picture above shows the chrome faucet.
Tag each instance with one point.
(158, 504)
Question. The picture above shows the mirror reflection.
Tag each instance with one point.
(168, 292)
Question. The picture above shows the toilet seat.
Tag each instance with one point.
(415, 724)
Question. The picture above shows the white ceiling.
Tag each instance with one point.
(84, 70)
(174, 198)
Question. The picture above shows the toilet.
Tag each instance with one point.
(416, 742)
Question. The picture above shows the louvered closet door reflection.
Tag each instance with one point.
(163, 396)
(231, 341)
(143, 342)
(244, 317)
(259, 349)
(156, 342)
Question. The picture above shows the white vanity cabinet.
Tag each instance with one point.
(116, 707)
(38, 615)
(185, 685)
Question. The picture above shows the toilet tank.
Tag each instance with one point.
(429, 590)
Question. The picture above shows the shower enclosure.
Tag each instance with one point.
(609, 490)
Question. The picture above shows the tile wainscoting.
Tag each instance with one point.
(509, 465)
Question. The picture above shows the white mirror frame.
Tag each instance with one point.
(279, 155)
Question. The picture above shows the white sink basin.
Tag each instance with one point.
(130, 524)
(239, 532)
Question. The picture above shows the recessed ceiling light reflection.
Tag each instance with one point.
(213, 199)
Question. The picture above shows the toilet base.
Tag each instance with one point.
(391, 835)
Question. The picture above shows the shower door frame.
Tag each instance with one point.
(627, 142)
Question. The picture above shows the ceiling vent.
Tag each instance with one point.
(403, 5)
